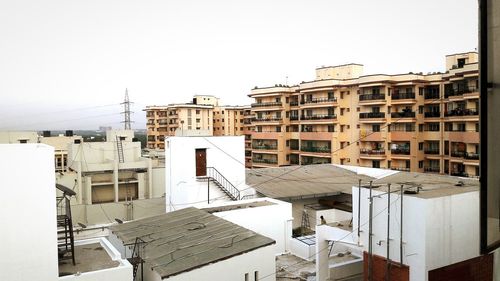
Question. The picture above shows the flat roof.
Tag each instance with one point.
(89, 257)
(431, 185)
(187, 239)
(293, 183)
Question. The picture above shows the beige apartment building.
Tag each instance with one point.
(411, 122)
(202, 116)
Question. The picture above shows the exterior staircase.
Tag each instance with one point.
(214, 176)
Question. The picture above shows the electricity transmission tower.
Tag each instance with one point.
(126, 111)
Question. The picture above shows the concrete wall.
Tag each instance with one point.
(276, 225)
(183, 189)
(28, 217)
(12, 137)
(436, 231)
(112, 134)
(261, 260)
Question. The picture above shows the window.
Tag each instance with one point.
(420, 127)
(197, 111)
(331, 128)
(278, 99)
(420, 146)
(376, 128)
(278, 129)
(246, 277)
(287, 143)
(407, 163)
(421, 109)
(420, 164)
(420, 91)
(341, 111)
(198, 120)
(375, 164)
(256, 275)
(189, 112)
(358, 109)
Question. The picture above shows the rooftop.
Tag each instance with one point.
(225, 208)
(292, 183)
(89, 257)
(187, 239)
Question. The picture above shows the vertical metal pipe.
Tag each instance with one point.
(359, 211)
(208, 190)
(388, 260)
(370, 258)
(401, 230)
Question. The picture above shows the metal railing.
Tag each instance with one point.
(432, 169)
(431, 95)
(268, 119)
(472, 156)
(318, 149)
(265, 161)
(372, 151)
(459, 92)
(223, 183)
(367, 97)
(265, 146)
(319, 100)
(266, 104)
(409, 114)
(459, 154)
(318, 117)
(372, 115)
(401, 96)
(400, 151)
(432, 114)
(461, 112)
(431, 151)
(294, 103)
(404, 169)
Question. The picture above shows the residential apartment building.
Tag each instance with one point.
(411, 122)
(179, 119)
(229, 120)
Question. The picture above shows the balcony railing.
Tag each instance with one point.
(266, 161)
(294, 103)
(268, 119)
(318, 117)
(461, 112)
(294, 147)
(368, 97)
(409, 114)
(404, 169)
(431, 95)
(294, 117)
(319, 100)
(265, 146)
(372, 115)
(431, 151)
(472, 156)
(459, 174)
(459, 154)
(401, 96)
(266, 104)
(372, 151)
(401, 151)
(432, 114)
(316, 149)
(459, 92)
(432, 169)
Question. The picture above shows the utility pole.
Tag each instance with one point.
(126, 111)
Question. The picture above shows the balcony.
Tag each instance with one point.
(471, 156)
(268, 119)
(458, 154)
(316, 149)
(265, 161)
(461, 112)
(402, 96)
(459, 92)
(319, 100)
(432, 169)
(294, 117)
(265, 147)
(318, 117)
(294, 103)
(267, 104)
(372, 115)
(400, 151)
(371, 97)
(431, 151)
(432, 114)
(372, 151)
(431, 95)
(403, 169)
(459, 174)
(409, 114)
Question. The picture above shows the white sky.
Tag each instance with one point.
(60, 59)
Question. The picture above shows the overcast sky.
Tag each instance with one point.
(66, 64)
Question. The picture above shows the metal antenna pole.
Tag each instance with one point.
(388, 265)
(359, 211)
(370, 258)
(401, 231)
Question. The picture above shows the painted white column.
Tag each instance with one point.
(86, 190)
(140, 185)
(322, 267)
(150, 178)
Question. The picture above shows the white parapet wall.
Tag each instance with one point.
(28, 216)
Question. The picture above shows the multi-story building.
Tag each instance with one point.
(248, 128)
(179, 119)
(411, 122)
(229, 120)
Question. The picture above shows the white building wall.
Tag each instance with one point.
(226, 154)
(276, 225)
(112, 134)
(261, 260)
(13, 137)
(28, 217)
(436, 231)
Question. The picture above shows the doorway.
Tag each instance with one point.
(201, 162)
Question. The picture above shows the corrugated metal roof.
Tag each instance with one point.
(309, 181)
(187, 239)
